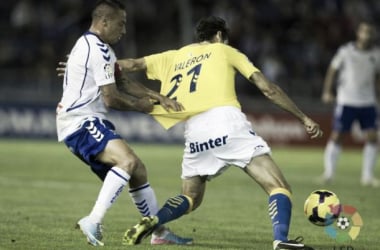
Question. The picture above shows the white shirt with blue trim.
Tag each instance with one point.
(357, 70)
(91, 64)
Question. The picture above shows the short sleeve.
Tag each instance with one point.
(103, 64)
(157, 64)
(240, 62)
(337, 61)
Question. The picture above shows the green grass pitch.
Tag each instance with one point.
(44, 190)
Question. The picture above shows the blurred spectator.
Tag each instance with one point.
(288, 39)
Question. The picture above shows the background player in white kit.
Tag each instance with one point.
(90, 87)
(356, 66)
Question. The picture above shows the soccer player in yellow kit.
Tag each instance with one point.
(218, 135)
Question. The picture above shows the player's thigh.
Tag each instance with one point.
(266, 173)
(344, 116)
(368, 122)
(194, 187)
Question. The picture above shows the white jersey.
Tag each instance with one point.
(91, 64)
(357, 70)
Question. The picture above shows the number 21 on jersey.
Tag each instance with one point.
(177, 79)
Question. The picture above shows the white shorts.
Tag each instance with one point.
(217, 139)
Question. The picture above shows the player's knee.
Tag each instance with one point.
(130, 165)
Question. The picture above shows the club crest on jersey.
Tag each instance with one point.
(108, 71)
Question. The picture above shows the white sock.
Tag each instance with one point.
(145, 199)
(113, 184)
(369, 160)
(331, 156)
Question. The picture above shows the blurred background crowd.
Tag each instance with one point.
(291, 41)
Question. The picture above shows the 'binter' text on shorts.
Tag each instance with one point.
(196, 147)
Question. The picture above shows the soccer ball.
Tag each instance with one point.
(322, 207)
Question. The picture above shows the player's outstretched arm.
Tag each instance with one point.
(275, 94)
(132, 65)
(139, 64)
(137, 89)
(116, 99)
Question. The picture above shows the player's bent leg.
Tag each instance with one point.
(269, 176)
(192, 195)
(98, 154)
(139, 177)
(145, 200)
(191, 198)
(266, 173)
(194, 187)
(118, 153)
(173, 208)
(126, 168)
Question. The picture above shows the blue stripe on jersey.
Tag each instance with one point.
(74, 105)
(77, 106)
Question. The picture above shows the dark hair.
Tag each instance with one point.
(99, 11)
(207, 27)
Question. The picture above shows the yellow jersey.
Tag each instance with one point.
(200, 76)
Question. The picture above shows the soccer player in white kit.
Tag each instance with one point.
(356, 66)
(91, 85)
(218, 135)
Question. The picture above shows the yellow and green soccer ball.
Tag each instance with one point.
(322, 207)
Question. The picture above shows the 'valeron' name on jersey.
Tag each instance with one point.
(196, 147)
(191, 61)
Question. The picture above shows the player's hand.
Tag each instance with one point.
(170, 104)
(61, 69)
(328, 97)
(312, 128)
